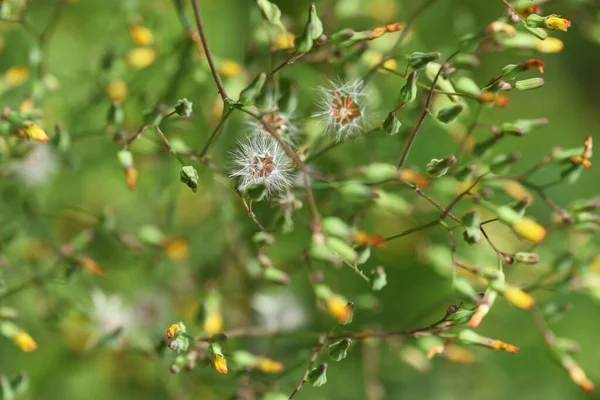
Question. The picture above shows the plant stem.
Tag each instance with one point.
(415, 132)
(209, 57)
(412, 230)
(214, 133)
(332, 145)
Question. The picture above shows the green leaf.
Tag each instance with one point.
(271, 13)
(379, 280)
(472, 233)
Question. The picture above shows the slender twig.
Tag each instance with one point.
(460, 196)
(434, 203)
(37, 280)
(412, 230)
(427, 87)
(405, 30)
(209, 56)
(332, 145)
(358, 272)
(214, 133)
(413, 136)
(313, 358)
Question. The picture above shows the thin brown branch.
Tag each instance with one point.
(209, 56)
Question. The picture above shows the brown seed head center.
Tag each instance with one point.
(263, 167)
(345, 109)
(276, 120)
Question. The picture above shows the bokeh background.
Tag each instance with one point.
(58, 194)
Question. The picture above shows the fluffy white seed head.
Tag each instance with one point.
(342, 108)
(259, 160)
(281, 122)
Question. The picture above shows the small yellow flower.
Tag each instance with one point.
(213, 323)
(178, 250)
(131, 177)
(340, 309)
(550, 45)
(141, 57)
(25, 342)
(528, 229)
(269, 366)
(117, 91)
(16, 76)
(554, 23)
(173, 330)
(141, 35)
(220, 363)
(230, 69)
(284, 41)
(35, 132)
(519, 298)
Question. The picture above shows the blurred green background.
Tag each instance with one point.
(152, 290)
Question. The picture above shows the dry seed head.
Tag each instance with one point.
(342, 107)
(279, 121)
(260, 160)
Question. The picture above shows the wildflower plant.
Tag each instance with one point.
(274, 247)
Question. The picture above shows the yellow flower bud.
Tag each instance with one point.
(173, 330)
(410, 176)
(117, 91)
(141, 57)
(459, 355)
(25, 342)
(550, 45)
(26, 106)
(220, 363)
(374, 58)
(230, 69)
(16, 76)
(528, 229)
(131, 176)
(577, 374)
(284, 41)
(519, 298)
(340, 309)
(517, 191)
(269, 366)
(213, 323)
(35, 132)
(480, 313)
(498, 26)
(435, 350)
(177, 250)
(91, 265)
(141, 35)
